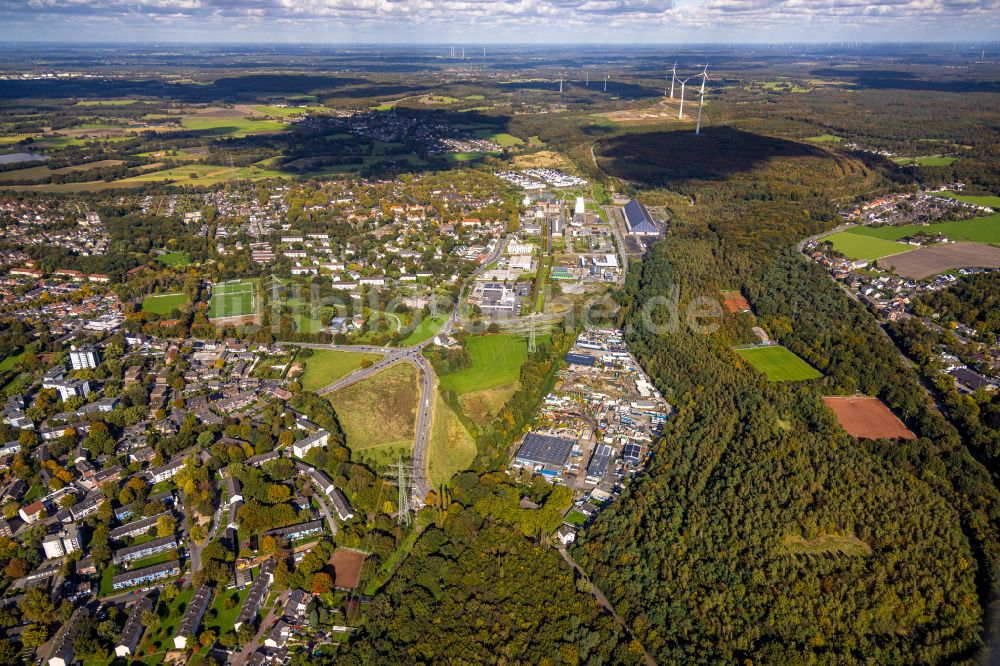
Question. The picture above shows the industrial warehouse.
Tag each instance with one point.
(595, 429)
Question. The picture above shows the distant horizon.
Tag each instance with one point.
(472, 47)
(504, 21)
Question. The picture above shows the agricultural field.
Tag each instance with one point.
(106, 102)
(232, 299)
(859, 246)
(504, 139)
(925, 160)
(285, 111)
(825, 138)
(378, 414)
(41, 172)
(163, 303)
(326, 366)
(236, 125)
(864, 417)
(496, 361)
(978, 230)
(927, 261)
(451, 449)
(778, 364)
(198, 174)
(991, 201)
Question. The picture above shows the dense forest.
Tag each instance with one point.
(476, 590)
(761, 531)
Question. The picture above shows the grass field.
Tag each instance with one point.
(925, 160)
(859, 246)
(174, 259)
(326, 366)
(381, 410)
(225, 619)
(978, 230)
(163, 303)
(160, 637)
(481, 406)
(305, 324)
(992, 202)
(496, 361)
(9, 362)
(452, 448)
(828, 544)
(779, 364)
(232, 299)
(427, 327)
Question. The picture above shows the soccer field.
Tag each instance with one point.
(163, 303)
(232, 299)
(779, 364)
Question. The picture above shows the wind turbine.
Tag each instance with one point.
(606, 77)
(587, 72)
(560, 82)
(673, 79)
(680, 115)
(704, 77)
(701, 104)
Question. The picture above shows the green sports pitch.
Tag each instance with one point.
(778, 364)
(232, 299)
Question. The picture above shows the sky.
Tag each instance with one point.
(475, 22)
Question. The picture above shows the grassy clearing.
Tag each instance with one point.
(779, 364)
(835, 544)
(978, 230)
(13, 138)
(427, 327)
(925, 160)
(481, 406)
(452, 448)
(496, 361)
(859, 246)
(174, 259)
(164, 303)
(326, 366)
(381, 410)
(992, 202)
(232, 299)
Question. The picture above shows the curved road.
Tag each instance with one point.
(413, 355)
